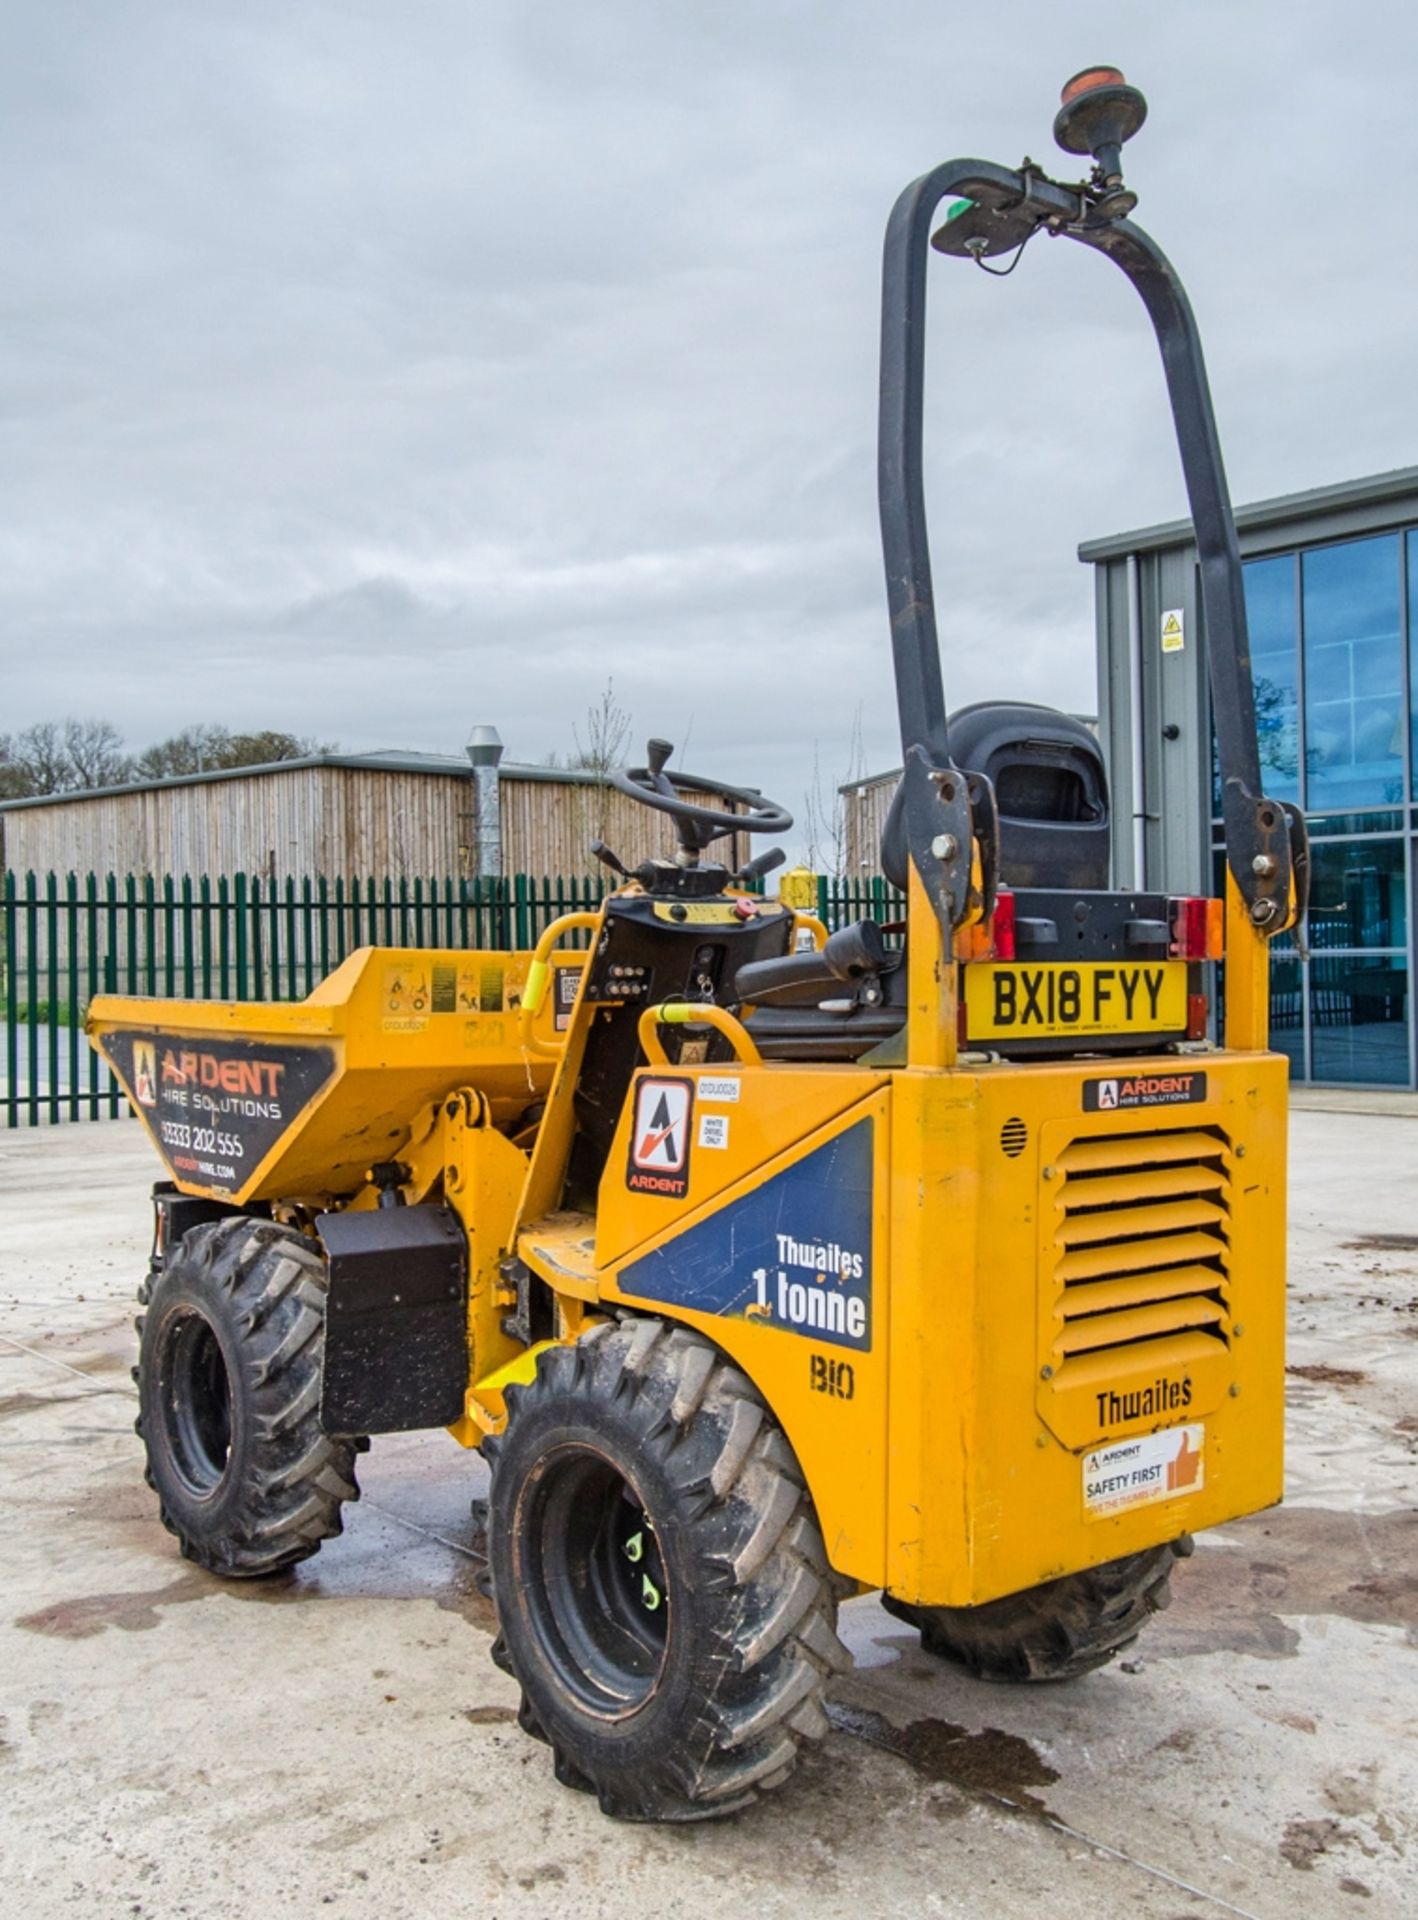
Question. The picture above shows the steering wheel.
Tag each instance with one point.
(653, 787)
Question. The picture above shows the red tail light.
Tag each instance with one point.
(1002, 926)
(1198, 928)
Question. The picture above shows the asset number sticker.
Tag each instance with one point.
(1135, 1473)
(723, 1088)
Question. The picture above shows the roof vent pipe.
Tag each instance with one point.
(484, 752)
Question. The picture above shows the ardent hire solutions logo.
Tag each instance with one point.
(659, 1138)
(1143, 1090)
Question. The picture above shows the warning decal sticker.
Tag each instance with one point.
(1174, 633)
(659, 1138)
(1134, 1473)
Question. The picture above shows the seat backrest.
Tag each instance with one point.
(1050, 786)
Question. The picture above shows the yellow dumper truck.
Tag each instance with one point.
(767, 1265)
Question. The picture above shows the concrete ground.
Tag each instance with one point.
(171, 1746)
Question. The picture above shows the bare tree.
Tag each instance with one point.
(193, 750)
(95, 755)
(604, 747)
(607, 735)
(206, 748)
(80, 756)
(825, 822)
(40, 762)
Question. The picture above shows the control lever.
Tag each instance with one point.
(608, 859)
(765, 863)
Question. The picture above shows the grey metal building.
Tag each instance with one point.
(1332, 606)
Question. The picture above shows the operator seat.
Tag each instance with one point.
(1051, 790)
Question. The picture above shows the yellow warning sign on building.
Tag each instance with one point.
(1174, 634)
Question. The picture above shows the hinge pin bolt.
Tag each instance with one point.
(1264, 865)
(1263, 912)
(945, 846)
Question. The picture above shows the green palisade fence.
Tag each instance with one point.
(66, 937)
(841, 901)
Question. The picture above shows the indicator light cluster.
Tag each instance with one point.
(1197, 928)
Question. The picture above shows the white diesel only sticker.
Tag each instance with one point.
(1134, 1473)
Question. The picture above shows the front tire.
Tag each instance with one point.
(1056, 1631)
(660, 1580)
(228, 1373)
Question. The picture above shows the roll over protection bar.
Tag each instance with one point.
(945, 807)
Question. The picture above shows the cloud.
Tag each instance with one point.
(371, 374)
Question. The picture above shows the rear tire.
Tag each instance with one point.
(661, 1586)
(229, 1371)
(1056, 1631)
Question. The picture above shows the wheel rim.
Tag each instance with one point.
(196, 1404)
(595, 1588)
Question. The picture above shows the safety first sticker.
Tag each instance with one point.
(1135, 1473)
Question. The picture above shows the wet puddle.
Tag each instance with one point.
(990, 1763)
(413, 1535)
(1325, 1375)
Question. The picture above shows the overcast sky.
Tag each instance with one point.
(372, 371)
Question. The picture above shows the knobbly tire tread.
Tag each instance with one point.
(1057, 1631)
(262, 1289)
(752, 1588)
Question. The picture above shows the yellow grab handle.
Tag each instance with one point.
(539, 977)
(814, 927)
(694, 1013)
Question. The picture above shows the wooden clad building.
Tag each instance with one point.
(351, 814)
(864, 806)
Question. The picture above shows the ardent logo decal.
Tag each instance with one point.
(1143, 1090)
(659, 1137)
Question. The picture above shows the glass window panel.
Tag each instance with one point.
(1343, 825)
(1329, 747)
(1287, 1016)
(1359, 1019)
(1358, 894)
(1413, 645)
(1376, 668)
(1327, 681)
(1353, 706)
(1287, 1011)
(1271, 618)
